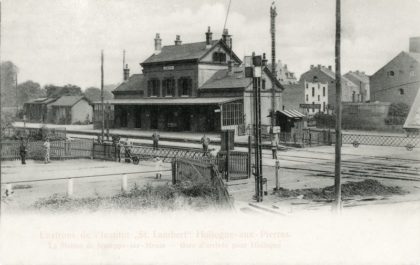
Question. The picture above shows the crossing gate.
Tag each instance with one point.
(201, 171)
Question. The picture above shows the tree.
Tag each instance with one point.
(67, 90)
(29, 90)
(8, 84)
(94, 94)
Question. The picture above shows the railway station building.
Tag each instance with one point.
(195, 87)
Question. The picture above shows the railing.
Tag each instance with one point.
(306, 137)
(356, 140)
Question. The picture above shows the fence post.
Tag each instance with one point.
(174, 171)
(248, 168)
(277, 174)
(93, 149)
(70, 187)
(124, 186)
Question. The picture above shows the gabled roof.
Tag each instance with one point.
(68, 101)
(134, 83)
(331, 74)
(412, 55)
(222, 79)
(362, 77)
(185, 52)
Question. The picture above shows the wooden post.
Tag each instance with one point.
(227, 139)
(102, 96)
(69, 187)
(277, 174)
(124, 186)
(249, 156)
(337, 180)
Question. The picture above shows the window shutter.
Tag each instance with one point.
(149, 88)
(190, 87)
(173, 87)
(164, 86)
(179, 87)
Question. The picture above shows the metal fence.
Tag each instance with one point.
(239, 165)
(167, 154)
(356, 140)
(306, 138)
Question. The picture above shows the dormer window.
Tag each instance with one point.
(219, 57)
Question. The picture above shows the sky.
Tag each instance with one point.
(60, 41)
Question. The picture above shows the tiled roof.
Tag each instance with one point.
(222, 79)
(415, 55)
(359, 76)
(188, 51)
(135, 82)
(67, 101)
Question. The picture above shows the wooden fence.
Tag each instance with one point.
(58, 150)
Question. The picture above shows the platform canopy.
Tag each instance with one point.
(413, 118)
(290, 114)
(171, 101)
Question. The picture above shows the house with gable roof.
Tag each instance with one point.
(196, 87)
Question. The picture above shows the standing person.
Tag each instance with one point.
(22, 151)
(47, 147)
(155, 138)
(205, 141)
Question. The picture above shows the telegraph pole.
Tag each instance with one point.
(338, 140)
(273, 15)
(102, 95)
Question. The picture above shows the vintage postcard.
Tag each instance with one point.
(210, 132)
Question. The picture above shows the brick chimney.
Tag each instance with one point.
(158, 43)
(178, 40)
(264, 60)
(209, 38)
(227, 38)
(414, 44)
(126, 71)
(230, 67)
(330, 67)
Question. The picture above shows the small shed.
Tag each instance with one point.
(288, 119)
(38, 110)
(72, 110)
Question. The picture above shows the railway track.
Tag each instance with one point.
(370, 167)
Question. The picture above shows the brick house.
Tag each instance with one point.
(197, 87)
(399, 79)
